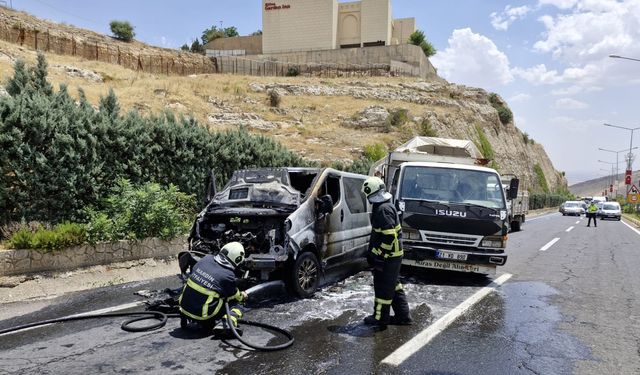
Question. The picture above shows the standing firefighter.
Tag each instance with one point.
(385, 255)
(592, 210)
(211, 283)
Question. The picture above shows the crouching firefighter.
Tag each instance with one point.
(211, 283)
(385, 256)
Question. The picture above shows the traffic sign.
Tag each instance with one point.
(633, 195)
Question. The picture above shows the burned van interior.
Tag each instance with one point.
(252, 209)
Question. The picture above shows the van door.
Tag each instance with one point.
(357, 225)
(334, 222)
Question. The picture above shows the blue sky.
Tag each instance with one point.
(547, 58)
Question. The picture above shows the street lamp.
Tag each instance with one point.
(622, 57)
(617, 172)
(630, 155)
(609, 178)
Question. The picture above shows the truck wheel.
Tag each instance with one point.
(305, 275)
(515, 226)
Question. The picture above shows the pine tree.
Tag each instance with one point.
(16, 84)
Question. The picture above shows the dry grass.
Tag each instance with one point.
(320, 137)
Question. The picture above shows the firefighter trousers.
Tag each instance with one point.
(389, 293)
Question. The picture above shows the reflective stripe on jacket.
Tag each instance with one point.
(208, 286)
(386, 231)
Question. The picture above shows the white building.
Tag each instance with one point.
(308, 25)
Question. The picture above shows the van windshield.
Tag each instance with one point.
(450, 185)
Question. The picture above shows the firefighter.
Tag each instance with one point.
(385, 256)
(592, 209)
(211, 283)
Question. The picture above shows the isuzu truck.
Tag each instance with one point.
(453, 209)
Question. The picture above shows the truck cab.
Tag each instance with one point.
(454, 216)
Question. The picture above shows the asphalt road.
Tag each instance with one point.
(565, 306)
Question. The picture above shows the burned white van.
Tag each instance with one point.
(293, 222)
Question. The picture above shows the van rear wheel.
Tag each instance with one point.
(305, 275)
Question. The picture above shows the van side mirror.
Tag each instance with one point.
(324, 205)
(513, 188)
(211, 188)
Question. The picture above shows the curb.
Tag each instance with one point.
(631, 219)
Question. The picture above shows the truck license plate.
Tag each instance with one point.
(441, 254)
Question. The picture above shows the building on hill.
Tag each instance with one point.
(316, 32)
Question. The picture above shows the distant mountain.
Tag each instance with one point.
(598, 185)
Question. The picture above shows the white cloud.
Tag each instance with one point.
(592, 30)
(568, 103)
(521, 97)
(473, 59)
(538, 75)
(504, 19)
(562, 4)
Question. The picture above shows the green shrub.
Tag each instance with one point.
(426, 130)
(543, 200)
(504, 113)
(542, 180)
(122, 30)
(397, 117)
(59, 156)
(375, 151)
(483, 144)
(419, 39)
(20, 240)
(137, 213)
(274, 98)
(293, 71)
(59, 237)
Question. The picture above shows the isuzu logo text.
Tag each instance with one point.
(451, 213)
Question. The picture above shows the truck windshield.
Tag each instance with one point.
(451, 185)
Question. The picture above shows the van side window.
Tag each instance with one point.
(354, 197)
(332, 187)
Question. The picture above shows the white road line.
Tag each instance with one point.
(569, 229)
(541, 216)
(101, 311)
(423, 338)
(578, 222)
(549, 244)
(632, 228)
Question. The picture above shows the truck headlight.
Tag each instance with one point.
(495, 242)
(411, 234)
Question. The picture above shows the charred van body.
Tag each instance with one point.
(293, 222)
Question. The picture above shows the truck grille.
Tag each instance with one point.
(450, 238)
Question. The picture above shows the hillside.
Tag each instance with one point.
(324, 119)
(596, 186)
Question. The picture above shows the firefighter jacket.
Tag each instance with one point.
(210, 284)
(385, 231)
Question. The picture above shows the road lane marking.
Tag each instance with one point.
(578, 222)
(549, 244)
(569, 229)
(630, 227)
(542, 216)
(101, 311)
(423, 338)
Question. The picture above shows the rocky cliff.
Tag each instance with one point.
(324, 119)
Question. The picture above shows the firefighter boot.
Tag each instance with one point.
(380, 315)
(401, 316)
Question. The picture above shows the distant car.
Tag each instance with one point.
(599, 212)
(610, 210)
(572, 208)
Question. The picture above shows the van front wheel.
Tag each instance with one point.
(305, 275)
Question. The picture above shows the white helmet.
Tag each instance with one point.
(375, 190)
(233, 252)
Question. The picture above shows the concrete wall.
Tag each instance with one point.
(407, 58)
(17, 262)
(252, 45)
(299, 25)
